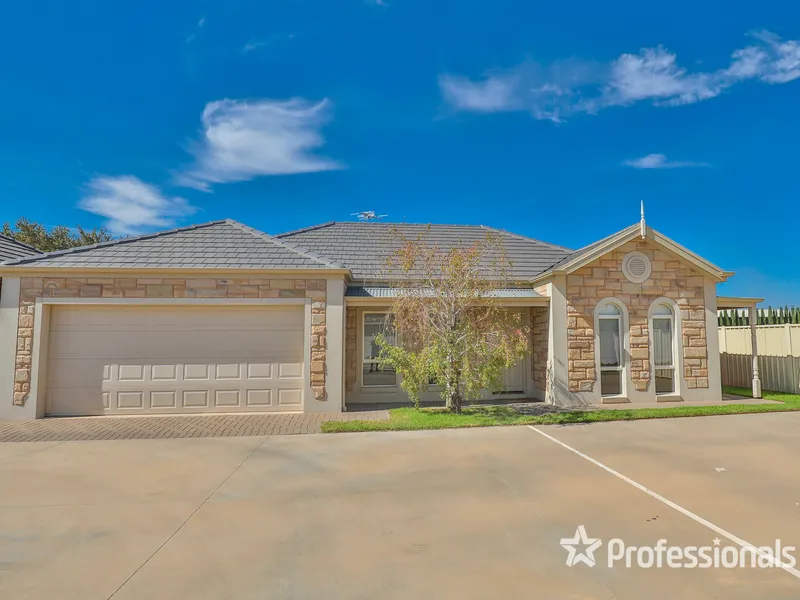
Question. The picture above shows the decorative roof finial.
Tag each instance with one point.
(643, 226)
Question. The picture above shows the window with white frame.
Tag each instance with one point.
(664, 348)
(373, 374)
(611, 349)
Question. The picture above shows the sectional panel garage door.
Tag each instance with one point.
(177, 359)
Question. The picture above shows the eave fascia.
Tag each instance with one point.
(626, 236)
(194, 273)
(519, 302)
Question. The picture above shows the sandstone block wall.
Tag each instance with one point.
(32, 288)
(603, 278)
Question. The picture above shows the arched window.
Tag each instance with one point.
(664, 348)
(610, 348)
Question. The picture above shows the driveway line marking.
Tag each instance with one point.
(187, 519)
(32, 452)
(719, 530)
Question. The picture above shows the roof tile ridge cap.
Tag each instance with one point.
(583, 249)
(607, 238)
(17, 242)
(293, 247)
(117, 242)
(526, 238)
(304, 229)
(405, 223)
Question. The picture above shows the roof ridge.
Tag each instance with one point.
(527, 238)
(608, 237)
(585, 248)
(304, 229)
(117, 242)
(292, 247)
(16, 241)
(403, 223)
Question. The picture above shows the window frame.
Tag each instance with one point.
(674, 327)
(621, 367)
(372, 361)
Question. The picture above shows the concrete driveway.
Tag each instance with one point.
(448, 514)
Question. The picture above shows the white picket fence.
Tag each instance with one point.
(778, 363)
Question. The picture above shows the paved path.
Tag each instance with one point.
(161, 427)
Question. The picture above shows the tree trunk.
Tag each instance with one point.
(453, 397)
(455, 402)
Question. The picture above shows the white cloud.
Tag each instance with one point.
(131, 205)
(659, 161)
(244, 140)
(252, 45)
(272, 40)
(654, 74)
(780, 60)
(193, 36)
(494, 94)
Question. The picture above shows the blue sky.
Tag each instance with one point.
(549, 119)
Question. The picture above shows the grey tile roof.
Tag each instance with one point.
(587, 249)
(358, 291)
(216, 245)
(11, 249)
(364, 247)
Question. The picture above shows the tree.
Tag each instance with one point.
(451, 330)
(59, 237)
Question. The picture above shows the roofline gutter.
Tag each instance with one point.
(521, 302)
(728, 302)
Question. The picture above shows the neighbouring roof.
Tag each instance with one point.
(357, 291)
(736, 302)
(215, 245)
(11, 249)
(364, 247)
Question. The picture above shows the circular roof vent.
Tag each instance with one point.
(636, 267)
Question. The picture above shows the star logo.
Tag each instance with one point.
(586, 555)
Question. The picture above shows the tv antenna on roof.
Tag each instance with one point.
(367, 215)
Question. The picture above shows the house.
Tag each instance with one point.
(220, 317)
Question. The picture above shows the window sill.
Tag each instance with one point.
(614, 400)
(383, 389)
(668, 398)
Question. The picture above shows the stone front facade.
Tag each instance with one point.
(351, 333)
(603, 278)
(32, 288)
(539, 334)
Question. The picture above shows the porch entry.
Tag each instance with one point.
(513, 380)
(380, 380)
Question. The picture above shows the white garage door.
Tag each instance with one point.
(178, 359)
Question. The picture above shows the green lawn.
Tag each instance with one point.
(405, 419)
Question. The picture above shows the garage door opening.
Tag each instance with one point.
(174, 359)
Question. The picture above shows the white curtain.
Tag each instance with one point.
(662, 342)
(610, 347)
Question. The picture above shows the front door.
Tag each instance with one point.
(514, 379)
